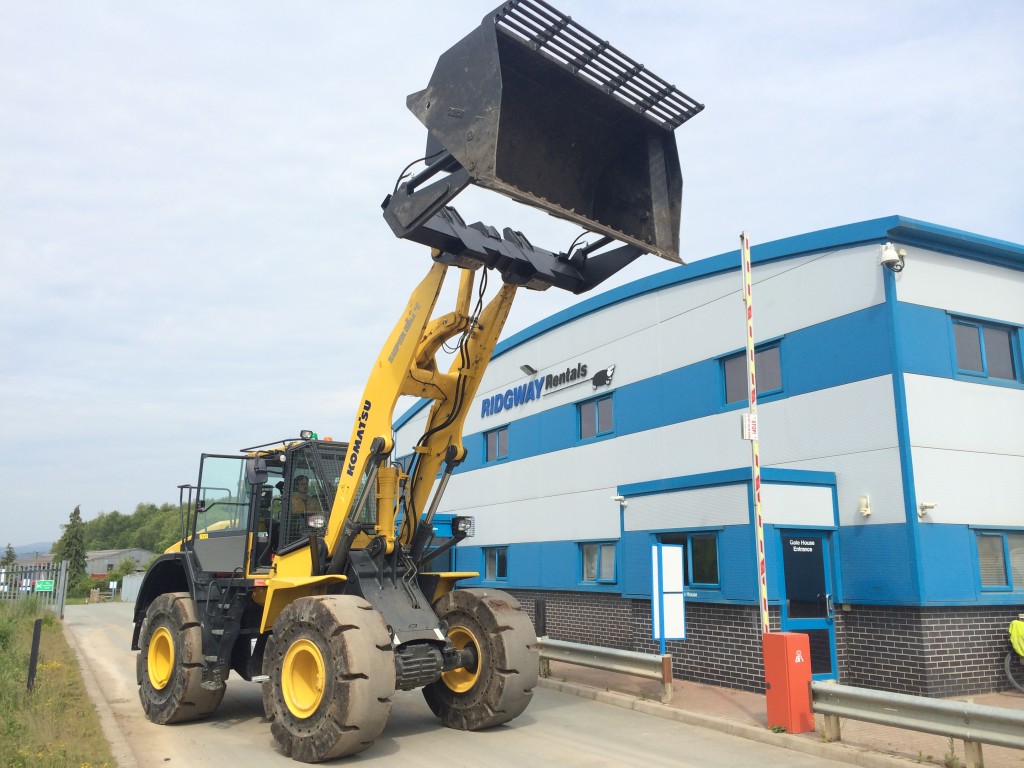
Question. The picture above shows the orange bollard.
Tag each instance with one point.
(787, 673)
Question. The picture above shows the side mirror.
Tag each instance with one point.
(256, 471)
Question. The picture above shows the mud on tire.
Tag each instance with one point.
(331, 674)
(169, 667)
(501, 684)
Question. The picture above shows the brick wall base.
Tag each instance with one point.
(935, 652)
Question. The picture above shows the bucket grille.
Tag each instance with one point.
(548, 31)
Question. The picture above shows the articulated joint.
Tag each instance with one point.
(381, 446)
(455, 455)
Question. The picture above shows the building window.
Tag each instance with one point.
(700, 554)
(596, 417)
(497, 444)
(598, 562)
(496, 563)
(1001, 560)
(768, 363)
(985, 350)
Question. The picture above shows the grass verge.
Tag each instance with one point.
(55, 725)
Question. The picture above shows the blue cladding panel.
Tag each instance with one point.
(924, 340)
(849, 348)
(635, 568)
(876, 565)
(856, 348)
(736, 563)
(533, 565)
(948, 564)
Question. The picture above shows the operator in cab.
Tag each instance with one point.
(302, 502)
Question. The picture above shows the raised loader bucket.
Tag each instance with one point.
(535, 107)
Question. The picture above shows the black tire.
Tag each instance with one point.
(169, 667)
(501, 684)
(1015, 669)
(331, 674)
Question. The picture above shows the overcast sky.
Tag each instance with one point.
(192, 256)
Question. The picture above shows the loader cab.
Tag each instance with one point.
(247, 507)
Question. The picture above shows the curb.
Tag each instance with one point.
(833, 751)
(123, 755)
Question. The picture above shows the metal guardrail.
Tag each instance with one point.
(652, 666)
(976, 724)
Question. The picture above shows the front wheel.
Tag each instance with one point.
(499, 686)
(169, 667)
(331, 673)
(1015, 670)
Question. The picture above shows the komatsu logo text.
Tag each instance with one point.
(409, 320)
(357, 443)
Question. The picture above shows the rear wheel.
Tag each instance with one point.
(1015, 669)
(331, 674)
(169, 667)
(499, 686)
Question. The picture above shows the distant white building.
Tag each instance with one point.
(104, 561)
(891, 404)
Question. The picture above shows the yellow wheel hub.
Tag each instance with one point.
(462, 679)
(302, 678)
(160, 658)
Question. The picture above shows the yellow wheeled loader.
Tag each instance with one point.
(317, 567)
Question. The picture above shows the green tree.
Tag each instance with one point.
(10, 557)
(71, 545)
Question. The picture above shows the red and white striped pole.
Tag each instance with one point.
(750, 432)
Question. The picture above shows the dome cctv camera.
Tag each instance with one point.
(889, 257)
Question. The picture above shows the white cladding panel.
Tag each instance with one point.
(815, 431)
(969, 460)
(827, 423)
(796, 505)
(705, 319)
(875, 474)
(695, 508)
(985, 419)
(590, 514)
(678, 326)
(961, 286)
(969, 488)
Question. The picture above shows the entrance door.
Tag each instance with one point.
(808, 598)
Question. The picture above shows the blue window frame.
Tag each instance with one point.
(596, 417)
(496, 563)
(701, 557)
(598, 562)
(767, 360)
(986, 350)
(1000, 560)
(496, 444)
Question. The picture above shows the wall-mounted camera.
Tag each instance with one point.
(890, 257)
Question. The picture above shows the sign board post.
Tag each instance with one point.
(667, 602)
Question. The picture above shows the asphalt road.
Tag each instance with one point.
(557, 728)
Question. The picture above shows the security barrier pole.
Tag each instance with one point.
(750, 432)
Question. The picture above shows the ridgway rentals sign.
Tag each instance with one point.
(544, 385)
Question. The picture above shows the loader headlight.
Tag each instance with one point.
(464, 525)
(316, 521)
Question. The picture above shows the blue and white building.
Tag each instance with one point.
(891, 405)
